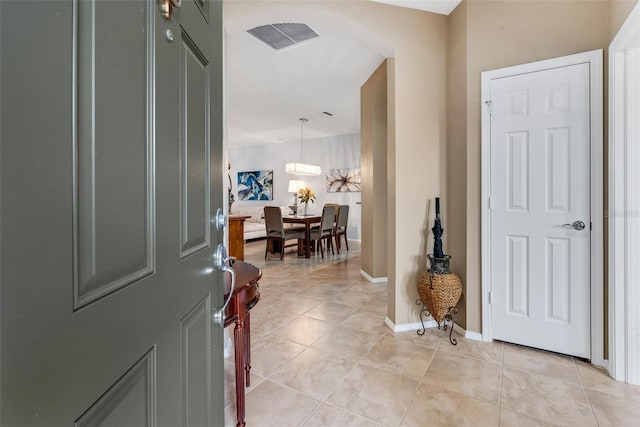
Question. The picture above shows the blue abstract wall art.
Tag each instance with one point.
(255, 185)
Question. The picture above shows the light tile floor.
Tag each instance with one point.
(322, 356)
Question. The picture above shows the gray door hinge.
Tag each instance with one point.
(489, 104)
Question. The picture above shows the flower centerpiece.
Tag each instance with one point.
(306, 195)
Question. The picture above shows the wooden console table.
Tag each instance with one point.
(245, 297)
(236, 236)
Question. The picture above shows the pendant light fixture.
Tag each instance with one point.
(302, 168)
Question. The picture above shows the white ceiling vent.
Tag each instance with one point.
(279, 36)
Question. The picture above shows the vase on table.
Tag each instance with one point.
(304, 209)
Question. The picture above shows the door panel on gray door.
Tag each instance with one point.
(203, 5)
(194, 110)
(129, 402)
(195, 348)
(114, 237)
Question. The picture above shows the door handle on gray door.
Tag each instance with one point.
(576, 225)
(220, 260)
(220, 220)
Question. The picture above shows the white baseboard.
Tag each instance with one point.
(470, 335)
(389, 323)
(409, 326)
(373, 279)
(458, 330)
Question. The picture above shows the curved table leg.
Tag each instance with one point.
(247, 349)
(239, 350)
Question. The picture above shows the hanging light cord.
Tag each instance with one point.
(302, 121)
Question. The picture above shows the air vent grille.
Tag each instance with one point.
(279, 36)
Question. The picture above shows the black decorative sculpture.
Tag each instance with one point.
(437, 233)
(439, 262)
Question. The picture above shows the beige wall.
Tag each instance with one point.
(500, 34)
(618, 12)
(455, 218)
(373, 164)
(417, 42)
(391, 183)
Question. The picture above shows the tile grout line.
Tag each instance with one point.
(325, 402)
(584, 390)
(309, 346)
(345, 377)
(420, 383)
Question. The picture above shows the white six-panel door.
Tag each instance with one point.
(540, 187)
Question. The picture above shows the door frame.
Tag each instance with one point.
(624, 295)
(595, 60)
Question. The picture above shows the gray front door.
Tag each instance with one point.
(110, 168)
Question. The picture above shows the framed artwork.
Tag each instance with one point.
(343, 180)
(255, 185)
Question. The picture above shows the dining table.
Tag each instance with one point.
(308, 221)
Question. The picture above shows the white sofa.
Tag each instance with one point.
(254, 226)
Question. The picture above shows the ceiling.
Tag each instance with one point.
(443, 7)
(268, 90)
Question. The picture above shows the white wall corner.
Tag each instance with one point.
(389, 323)
(473, 336)
(373, 279)
(468, 335)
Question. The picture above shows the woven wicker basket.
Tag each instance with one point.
(439, 292)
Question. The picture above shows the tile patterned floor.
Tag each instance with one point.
(322, 356)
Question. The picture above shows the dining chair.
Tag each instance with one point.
(335, 205)
(277, 235)
(325, 231)
(341, 226)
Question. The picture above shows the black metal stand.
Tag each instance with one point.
(447, 318)
(422, 310)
